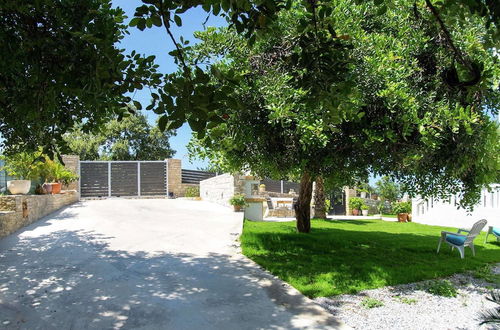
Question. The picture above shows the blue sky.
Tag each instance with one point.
(155, 41)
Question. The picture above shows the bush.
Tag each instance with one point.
(22, 166)
(192, 192)
(238, 200)
(365, 207)
(401, 207)
(356, 203)
(442, 288)
(371, 303)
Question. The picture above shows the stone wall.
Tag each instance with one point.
(174, 173)
(72, 163)
(18, 211)
(219, 189)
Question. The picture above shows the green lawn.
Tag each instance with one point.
(351, 255)
(389, 215)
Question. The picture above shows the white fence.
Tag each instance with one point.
(447, 213)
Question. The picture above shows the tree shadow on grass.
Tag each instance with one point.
(331, 261)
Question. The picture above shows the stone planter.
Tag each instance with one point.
(363, 194)
(365, 212)
(19, 187)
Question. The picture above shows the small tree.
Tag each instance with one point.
(388, 189)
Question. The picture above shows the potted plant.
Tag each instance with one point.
(364, 209)
(238, 201)
(24, 167)
(262, 188)
(55, 175)
(355, 204)
(402, 209)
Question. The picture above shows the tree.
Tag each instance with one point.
(319, 199)
(388, 190)
(131, 138)
(60, 65)
(338, 92)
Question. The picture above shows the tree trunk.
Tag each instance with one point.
(319, 199)
(303, 205)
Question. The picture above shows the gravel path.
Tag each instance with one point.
(409, 306)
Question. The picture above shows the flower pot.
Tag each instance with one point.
(409, 217)
(355, 212)
(363, 194)
(365, 212)
(262, 188)
(237, 208)
(19, 187)
(402, 217)
(56, 187)
(47, 187)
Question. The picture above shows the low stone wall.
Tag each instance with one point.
(218, 189)
(18, 211)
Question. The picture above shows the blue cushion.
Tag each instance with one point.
(455, 239)
(496, 231)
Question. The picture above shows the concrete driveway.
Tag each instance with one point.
(143, 264)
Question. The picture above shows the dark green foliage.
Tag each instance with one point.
(60, 65)
(492, 316)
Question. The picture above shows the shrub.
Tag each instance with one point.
(401, 207)
(356, 203)
(371, 303)
(238, 200)
(441, 288)
(192, 192)
(365, 207)
(22, 166)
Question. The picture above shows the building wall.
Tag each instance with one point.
(446, 213)
(218, 189)
(18, 211)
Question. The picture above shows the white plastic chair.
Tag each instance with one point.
(494, 231)
(460, 241)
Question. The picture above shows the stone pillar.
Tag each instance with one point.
(72, 163)
(174, 173)
(349, 192)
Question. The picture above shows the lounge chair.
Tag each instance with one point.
(495, 231)
(460, 241)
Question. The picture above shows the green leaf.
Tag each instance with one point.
(178, 20)
(162, 123)
(138, 105)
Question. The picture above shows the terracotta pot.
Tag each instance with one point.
(237, 208)
(402, 217)
(56, 187)
(409, 217)
(355, 212)
(19, 187)
(47, 187)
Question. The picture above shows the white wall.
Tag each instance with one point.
(218, 189)
(434, 212)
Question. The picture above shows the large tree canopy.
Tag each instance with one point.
(356, 93)
(131, 138)
(59, 65)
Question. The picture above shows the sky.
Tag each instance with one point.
(155, 41)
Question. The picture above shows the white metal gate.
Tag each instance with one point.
(123, 178)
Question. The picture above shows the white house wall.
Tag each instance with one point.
(445, 213)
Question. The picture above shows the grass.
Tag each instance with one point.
(348, 256)
(371, 303)
(389, 215)
(442, 288)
